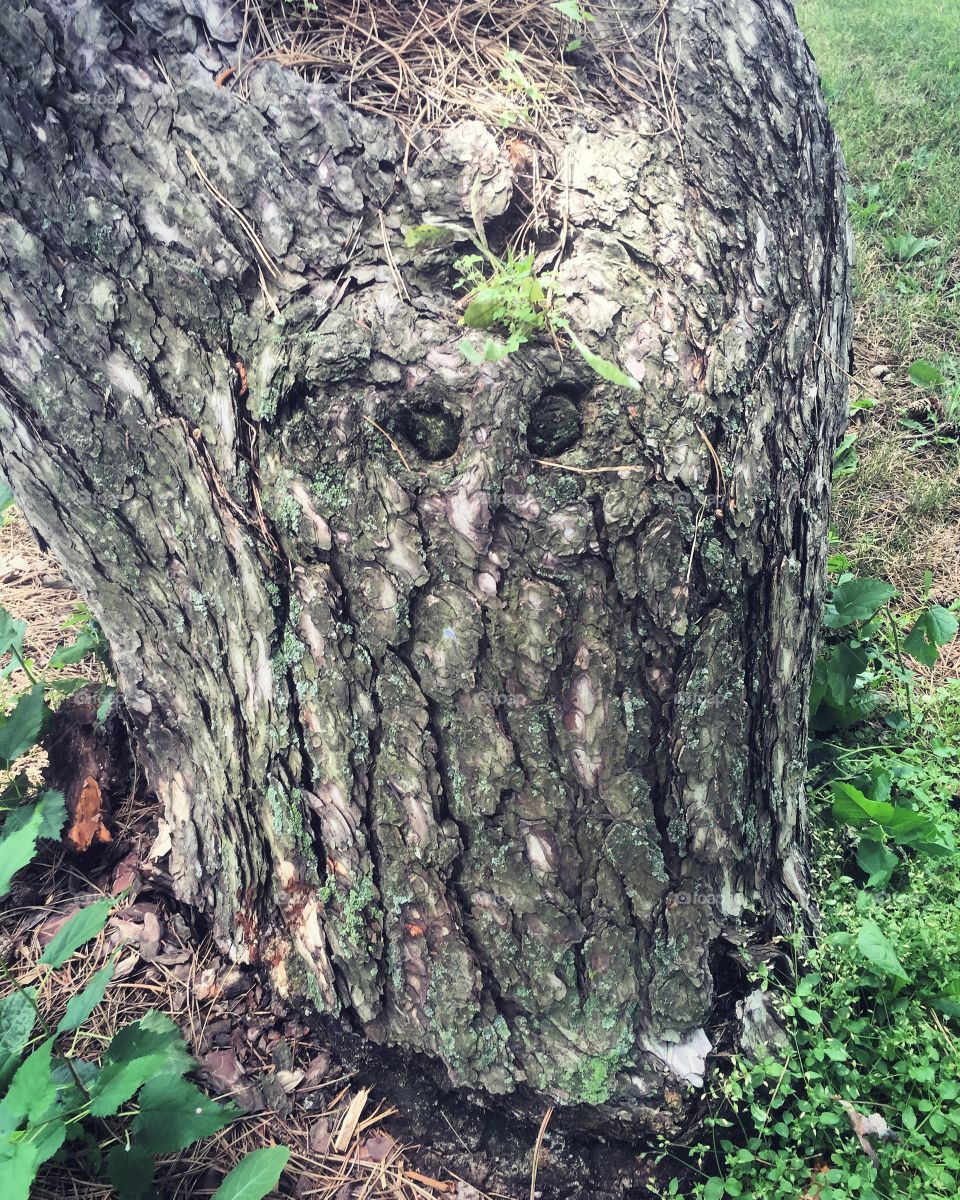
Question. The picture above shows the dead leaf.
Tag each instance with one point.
(88, 826)
(162, 843)
(377, 1147)
(289, 1080)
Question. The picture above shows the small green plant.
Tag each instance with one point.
(865, 644)
(508, 295)
(128, 1101)
(904, 247)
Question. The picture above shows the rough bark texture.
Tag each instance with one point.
(501, 762)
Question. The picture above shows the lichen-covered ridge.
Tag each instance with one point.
(470, 738)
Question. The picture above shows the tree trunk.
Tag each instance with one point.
(468, 737)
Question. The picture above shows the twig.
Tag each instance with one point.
(380, 429)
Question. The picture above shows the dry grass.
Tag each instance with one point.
(425, 63)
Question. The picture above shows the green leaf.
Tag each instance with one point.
(844, 665)
(130, 1169)
(925, 374)
(853, 807)
(878, 950)
(429, 237)
(17, 1019)
(572, 10)
(174, 1113)
(933, 629)
(21, 729)
(11, 633)
(136, 1053)
(904, 247)
(603, 367)
(64, 656)
(22, 828)
(856, 600)
(7, 499)
(80, 1007)
(20, 1168)
(254, 1176)
(878, 862)
(713, 1189)
(31, 1091)
(81, 927)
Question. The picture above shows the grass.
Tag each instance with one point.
(862, 1097)
(891, 75)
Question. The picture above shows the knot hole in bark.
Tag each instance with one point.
(432, 430)
(555, 424)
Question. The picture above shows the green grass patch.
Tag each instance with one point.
(891, 75)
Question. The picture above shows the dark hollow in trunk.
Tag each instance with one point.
(472, 738)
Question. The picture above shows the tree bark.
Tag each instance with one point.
(498, 760)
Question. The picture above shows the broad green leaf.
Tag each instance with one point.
(483, 308)
(714, 1189)
(254, 1176)
(21, 729)
(7, 498)
(80, 1007)
(81, 927)
(22, 828)
(879, 862)
(603, 367)
(20, 1168)
(878, 950)
(818, 684)
(64, 656)
(844, 665)
(11, 633)
(856, 600)
(17, 1019)
(925, 374)
(174, 1113)
(136, 1053)
(32, 1090)
(130, 1169)
(932, 629)
(853, 807)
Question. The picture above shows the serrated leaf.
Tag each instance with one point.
(925, 374)
(81, 927)
(22, 828)
(21, 729)
(18, 1015)
(254, 1176)
(80, 1007)
(136, 1053)
(878, 950)
(131, 1170)
(603, 367)
(20, 1168)
(934, 628)
(174, 1113)
(11, 633)
(31, 1091)
(857, 600)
